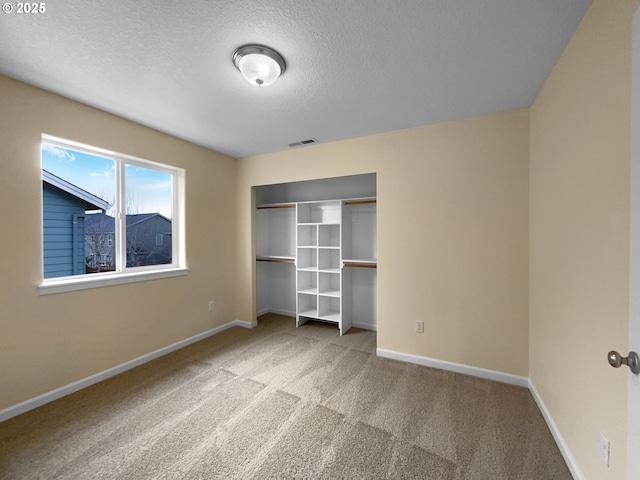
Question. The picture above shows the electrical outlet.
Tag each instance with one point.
(604, 449)
(211, 306)
(419, 326)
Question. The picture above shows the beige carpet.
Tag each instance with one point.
(281, 402)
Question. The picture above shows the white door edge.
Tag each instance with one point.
(633, 389)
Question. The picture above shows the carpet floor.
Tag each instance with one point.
(283, 402)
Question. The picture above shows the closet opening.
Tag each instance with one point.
(316, 251)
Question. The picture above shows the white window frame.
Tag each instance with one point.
(124, 274)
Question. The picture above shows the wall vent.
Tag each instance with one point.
(301, 143)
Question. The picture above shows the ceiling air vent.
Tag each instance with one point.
(303, 142)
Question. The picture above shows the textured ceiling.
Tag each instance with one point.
(354, 67)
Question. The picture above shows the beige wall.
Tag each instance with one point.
(47, 342)
(507, 234)
(580, 143)
(452, 233)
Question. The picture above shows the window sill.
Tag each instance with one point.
(72, 284)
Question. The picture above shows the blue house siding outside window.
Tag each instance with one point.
(63, 228)
(63, 221)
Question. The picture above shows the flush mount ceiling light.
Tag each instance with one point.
(259, 65)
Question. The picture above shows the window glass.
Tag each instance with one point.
(77, 202)
(148, 206)
(105, 212)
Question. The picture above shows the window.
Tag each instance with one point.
(108, 216)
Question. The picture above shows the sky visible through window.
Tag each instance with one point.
(147, 190)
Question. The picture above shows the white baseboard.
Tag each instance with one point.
(456, 367)
(286, 313)
(264, 311)
(365, 326)
(238, 323)
(564, 449)
(40, 400)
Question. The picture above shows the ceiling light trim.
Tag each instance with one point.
(258, 64)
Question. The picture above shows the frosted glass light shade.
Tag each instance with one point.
(259, 65)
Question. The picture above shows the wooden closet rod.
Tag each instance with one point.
(275, 260)
(361, 265)
(276, 206)
(359, 202)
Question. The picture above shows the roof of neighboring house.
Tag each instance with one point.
(91, 201)
(100, 223)
(132, 219)
(104, 223)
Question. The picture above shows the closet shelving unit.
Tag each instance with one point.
(359, 262)
(360, 245)
(333, 245)
(276, 257)
(319, 272)
(274, 224)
